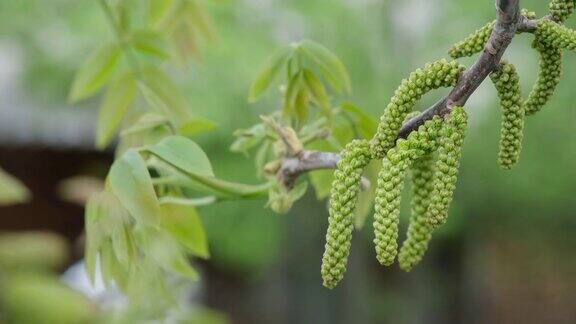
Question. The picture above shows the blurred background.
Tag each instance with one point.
(506, 254)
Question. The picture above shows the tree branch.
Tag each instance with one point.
(509, 22)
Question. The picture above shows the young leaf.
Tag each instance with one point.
(301, 105)
(329, 64)
(196, 125)
(94, 73)
(12, 191)
(292, 91)
(150, 43)
(131, 183)
(117, 101)
(184, 154)
(183, 223)
(316, 89)
(145, 122)
(163, 95)
(268, 72)
(168, 255)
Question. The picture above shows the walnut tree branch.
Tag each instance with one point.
(509, 22)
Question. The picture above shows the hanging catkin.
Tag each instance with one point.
(391, 183)
(344, 192)
(506, 81)
(550, 71)
(441, 73)
(446, 168)
(419, 229)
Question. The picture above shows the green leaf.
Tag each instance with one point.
(366, 197)
(29, 297)
(117, 101)
(158, 10)
(196, 125)
(248, 138)
(144, 123)
(301, 105)
(292, 91)
(130, 181)
(150, 43)
(197, 16)
(163, 96)
(123, 245)
(329, 64)
(268, 72)
(365, 123)
(94, 73)
(12, 191)
(298, 192)
(184, 224)
(168, 255)
(318, 92)
(184, 154)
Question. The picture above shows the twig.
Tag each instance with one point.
(509, 22)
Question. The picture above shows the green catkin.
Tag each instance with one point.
(344, 192)
(549, 75)
(507, 85)
(435, 75)
(446, 168)
(555, 35)
(475, 42)
(356, 155)
(419, 230)
(390, 185)
(472, 44)
(560, 10)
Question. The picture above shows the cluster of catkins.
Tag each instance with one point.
(430, 155)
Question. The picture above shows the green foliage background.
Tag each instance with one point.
(530, 208)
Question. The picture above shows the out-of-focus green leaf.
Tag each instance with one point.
(365, 123)
(301, 105)
(94, 73)
(318, 92)
(158, 10)
(298, 192)
(32, 251)
(163, 95)
(329, 64)
(12, 191)
(123, 245)
(168, 255)
(198, 17)
(183, 223)
(248, 138)
(196, 125)
(268, 72)
(146, 122)
(365, 203)
(292, 91)
(130, 181)
(150, 43)
(184, 154)
(116, 102)
(35, 298)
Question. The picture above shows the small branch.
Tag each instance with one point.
(305, 161)
(509, 22)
